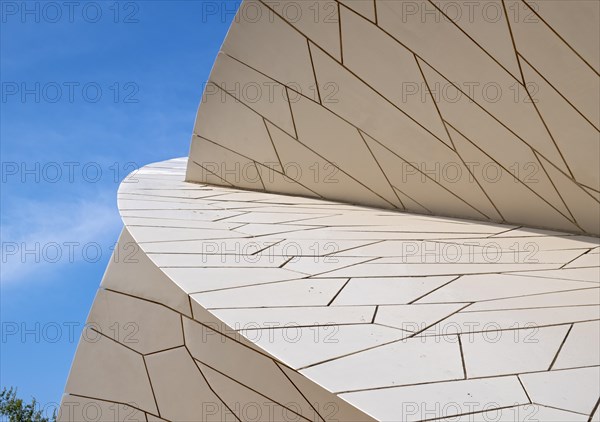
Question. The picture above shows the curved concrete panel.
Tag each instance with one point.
(221, 304)
(484, 111)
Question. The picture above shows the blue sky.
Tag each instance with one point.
(87, 95)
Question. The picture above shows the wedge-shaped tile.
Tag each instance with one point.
(467, 65)
(384, 123)
(243, 364)
(193, 280)
(260, 35)
(387, 291)
(484, 321)
(415, 318)
(590, 274)
(394, 267)
(437, 400)
(583, 297)
(572, 389)
(131, 271)
(588, 260)
(257, 91)
(75, 409)
(306, 292)
(318, 265)
(156, 234)
(500, 152)
(411, 361)
(317, 126)
(330, 407)
(475, 288)
(584, 207)
(321, 175)
(389, 68)
(511, 351)
(181, 391)
(188, 260)
(527, 412)
(138, 324)
(118, 373)
(365, 8)
(318, 21)
(507, 192)
(248, 136)
(213, 163)
(558, 63)
(295, 316)
(247, 404)
(582, 347)
(576, 137)
(300, 347)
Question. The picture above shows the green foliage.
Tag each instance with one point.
(17, 410)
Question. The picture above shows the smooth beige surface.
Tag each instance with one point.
(294, 313)
(486, 111)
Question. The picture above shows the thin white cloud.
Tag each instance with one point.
(41, 237)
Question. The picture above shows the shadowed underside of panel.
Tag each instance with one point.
(488, 111)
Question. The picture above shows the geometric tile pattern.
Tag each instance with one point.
(385, 216)
(233, 305)
(488, 111)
